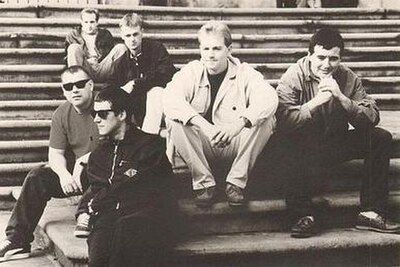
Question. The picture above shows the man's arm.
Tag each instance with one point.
(58, 163)
(361, 108)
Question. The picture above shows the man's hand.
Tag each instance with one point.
(78, 169)
(129, 86)
(329, 84)
(92, 60)
(321, 98)
(69, 185)
(227, 133)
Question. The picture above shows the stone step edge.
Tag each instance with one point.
(192, 51)
(198, 23)
(18, 68)
(59, 227)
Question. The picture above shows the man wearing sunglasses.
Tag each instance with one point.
(72, 130)
(142, 71)
(92, 47)
(130, 193)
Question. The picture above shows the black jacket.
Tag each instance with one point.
(130, 175)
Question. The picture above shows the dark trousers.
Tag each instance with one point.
(137, 240)
(300, 162)
(40, 185)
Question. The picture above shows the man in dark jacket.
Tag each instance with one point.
(143, 71)
(92, 47)
(130, 188)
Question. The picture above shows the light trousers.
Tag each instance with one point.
(198, 153)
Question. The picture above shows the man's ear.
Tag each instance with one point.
(91, 83)
(122, 115)
(230, 49)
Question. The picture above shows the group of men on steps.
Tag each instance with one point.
(218, 111)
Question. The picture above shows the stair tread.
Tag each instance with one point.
(59, 227)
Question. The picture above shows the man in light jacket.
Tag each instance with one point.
(219, 110)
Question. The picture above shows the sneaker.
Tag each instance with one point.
(305, 227)
(377, 224)
(82, 229)
(12, 251)
(234, 195)
(204, 197)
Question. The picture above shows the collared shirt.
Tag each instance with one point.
(298, 86)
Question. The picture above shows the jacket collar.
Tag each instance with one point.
(233, 64)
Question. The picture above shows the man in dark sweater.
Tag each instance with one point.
(142, 71)
(131, 200)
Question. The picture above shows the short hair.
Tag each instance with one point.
(327, 38)
(131, 20)
(91, 11)
(118, 99)
(75, 69)
(216, 27)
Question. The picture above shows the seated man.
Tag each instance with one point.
(92, 47)
(143, 71)
(219, 110)
(71, 128)
(318, 99)
(130, 187)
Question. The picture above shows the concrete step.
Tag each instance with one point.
(214, 237)
(24, 129)
(6, 198)
(197, 13)
(51, 72)
(179, 56)
(52, 39)
(23, 151)
(385, 88)
(13, 174)
(300, 26)
(28, 109)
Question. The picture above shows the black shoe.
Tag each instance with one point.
(234, 195)
(377, 224)
(12, 251)
(305, 227)
(204, 198)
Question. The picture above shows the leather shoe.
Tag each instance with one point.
(234, 195)
(377, 224)
(305, 227)
(204, 197)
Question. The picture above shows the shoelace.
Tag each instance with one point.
(83, 220)
(5, 244)
(306, 221)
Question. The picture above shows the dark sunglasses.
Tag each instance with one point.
(79, 84)
(101, 113)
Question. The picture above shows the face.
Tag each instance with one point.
(132, 37)
(214, 53)
(107, 121)
(324, 62)
(89, 23)
(77, 88)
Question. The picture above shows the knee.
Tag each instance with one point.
(74, 49)
(382, 136)
(155, 93)
(34, 174)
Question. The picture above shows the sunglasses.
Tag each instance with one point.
(101, 113)
(79, 84)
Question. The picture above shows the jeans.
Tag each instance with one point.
(301, 162)
(40, 185)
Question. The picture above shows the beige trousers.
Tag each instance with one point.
(196, 150)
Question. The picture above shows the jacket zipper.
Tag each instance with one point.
(114, 163)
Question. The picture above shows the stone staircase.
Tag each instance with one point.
(31, 53)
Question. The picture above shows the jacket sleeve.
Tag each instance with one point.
(262, 98)
(291, 114)
(362, 110)
(178, 94)
(160, 72)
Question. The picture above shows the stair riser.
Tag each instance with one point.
(194, 27)
(31, 94)
(23, 155)
(268, 73)
(267, 57)
(40, 113)
(193, 43)
(39, 133)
